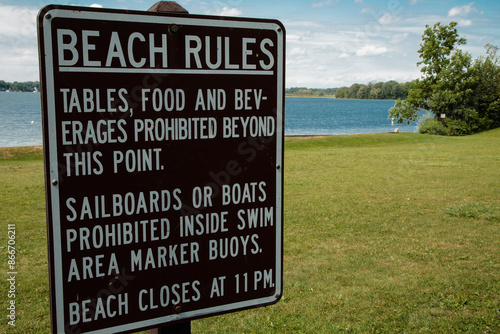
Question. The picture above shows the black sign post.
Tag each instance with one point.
(163, 146)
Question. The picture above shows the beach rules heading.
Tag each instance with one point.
(163, 146)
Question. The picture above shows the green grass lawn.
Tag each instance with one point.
(384, 233)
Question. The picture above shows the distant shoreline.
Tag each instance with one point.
(19, 91)
(40, 147)
(293, 95)
(337, 98)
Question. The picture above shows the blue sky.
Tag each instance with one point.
(330, 43)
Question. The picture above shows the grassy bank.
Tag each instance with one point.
(383, 233)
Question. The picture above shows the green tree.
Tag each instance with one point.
(27, 86)
(378, 91)
(487, 73)
(375, 93)
(391, 90)
(453, 85)
(437, 45)
(363, 92)
(342, 93)
(353, 91)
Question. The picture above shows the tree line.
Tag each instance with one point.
(390, 90)
(28, 86)
(311, 92)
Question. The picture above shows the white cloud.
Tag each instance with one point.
(398, 38)
(17, 21)
(297, 51)
(464, 23)
(231, 11)
(386, 19)
(303, 24)
(96, 5)
(18, 42)
(324, 3)
(325, 54)
(225, 11)
(371, 50)
(462, 10)
(319, 53)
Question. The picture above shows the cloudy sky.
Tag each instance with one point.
(330, 43)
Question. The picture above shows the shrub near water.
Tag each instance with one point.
(429, 125)
(432, 127)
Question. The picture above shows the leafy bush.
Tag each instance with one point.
(461, 127)
(428, 124)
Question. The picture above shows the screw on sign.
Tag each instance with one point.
(163, 136)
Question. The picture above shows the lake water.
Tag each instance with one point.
(21, 124)
(20, 119)
(327, 116)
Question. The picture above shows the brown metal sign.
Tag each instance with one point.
(163, 139)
